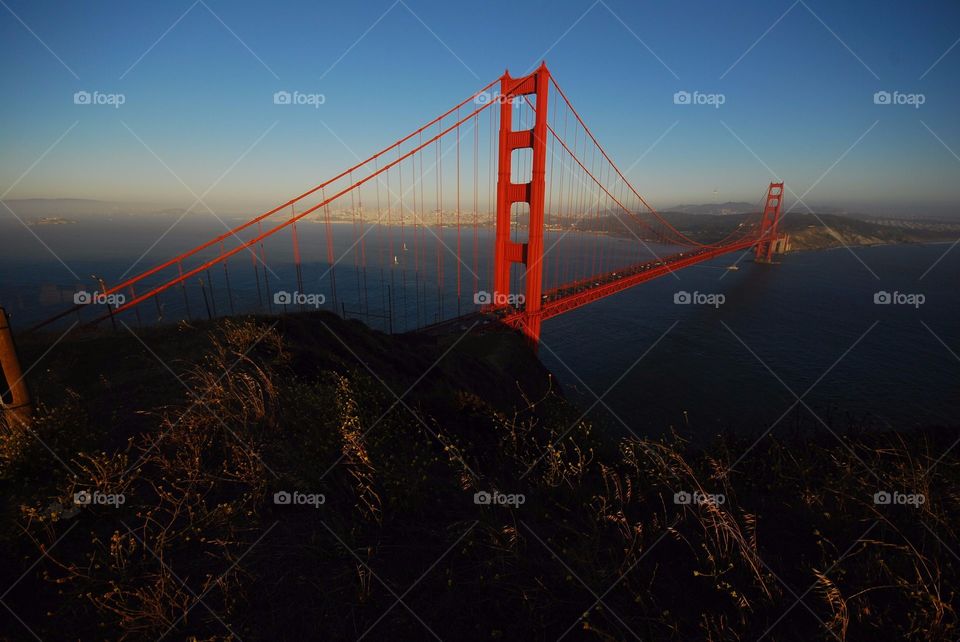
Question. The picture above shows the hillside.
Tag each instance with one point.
(195, 435)
(807, 231)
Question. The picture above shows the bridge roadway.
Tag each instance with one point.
(574, 295)
(579, 293)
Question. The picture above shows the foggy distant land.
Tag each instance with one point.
(828, 227)
(807, 231)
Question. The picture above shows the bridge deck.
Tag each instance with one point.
(578, 294)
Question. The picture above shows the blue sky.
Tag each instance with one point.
(198, 80)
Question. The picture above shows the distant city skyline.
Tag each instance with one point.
(853, 105)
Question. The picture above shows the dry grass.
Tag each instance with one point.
(599, 518)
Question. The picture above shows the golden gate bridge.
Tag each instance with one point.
(404, 226)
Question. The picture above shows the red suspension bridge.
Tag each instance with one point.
(405, 235)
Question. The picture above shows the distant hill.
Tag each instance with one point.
(81, 208)
(811, 232)
(807, 231)
(718, 209)
(69, 207)
(741, 207)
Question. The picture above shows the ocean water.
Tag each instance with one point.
(807, 327)
(736, 356)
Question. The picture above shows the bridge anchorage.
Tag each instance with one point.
(401, 231)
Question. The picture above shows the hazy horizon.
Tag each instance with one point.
(86, 207)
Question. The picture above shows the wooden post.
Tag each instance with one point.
(19, 412)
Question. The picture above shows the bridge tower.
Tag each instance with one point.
(507, 252)
(768, 223)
